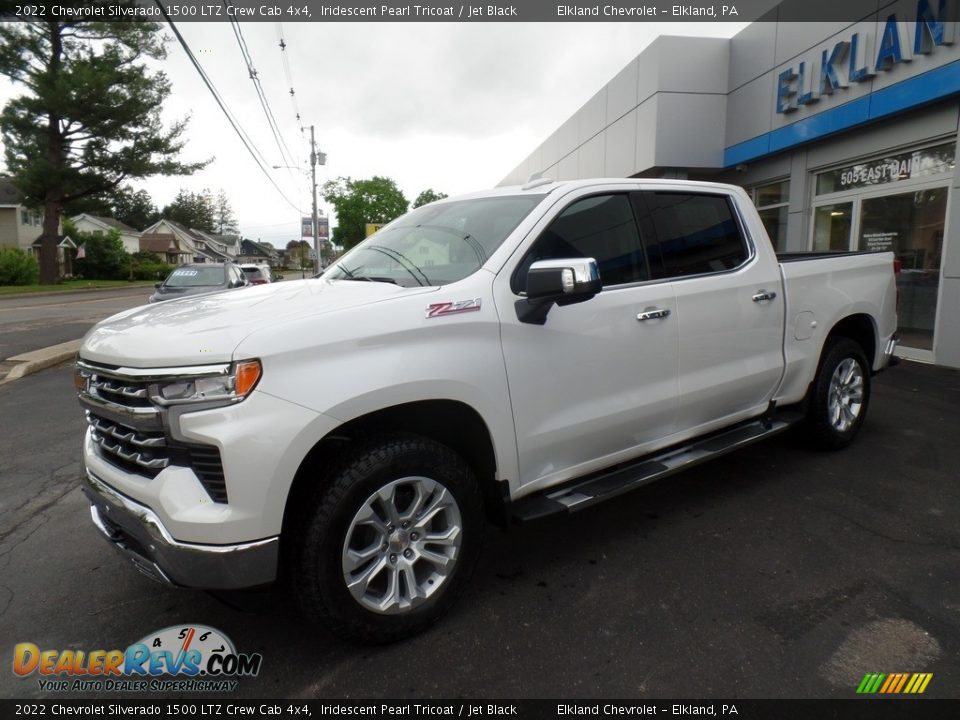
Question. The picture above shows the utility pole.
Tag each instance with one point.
(313, 175)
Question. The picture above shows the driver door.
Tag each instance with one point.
(595, 384)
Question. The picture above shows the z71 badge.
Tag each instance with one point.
(453, 308)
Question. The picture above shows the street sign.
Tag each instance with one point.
(373, 227)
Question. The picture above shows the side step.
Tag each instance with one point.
(584, 492)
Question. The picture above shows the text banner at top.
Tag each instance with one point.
(447, 11)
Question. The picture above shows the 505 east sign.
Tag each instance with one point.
(858, 58)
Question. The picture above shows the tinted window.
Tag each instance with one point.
(600, 227)
(691, 234)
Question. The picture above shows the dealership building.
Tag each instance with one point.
(843, 133)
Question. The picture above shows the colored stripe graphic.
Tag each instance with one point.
(894, 683)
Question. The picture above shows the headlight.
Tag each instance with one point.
(231, 387)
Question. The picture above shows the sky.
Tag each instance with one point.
(449, 106)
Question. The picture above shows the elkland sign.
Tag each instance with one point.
(858, 58)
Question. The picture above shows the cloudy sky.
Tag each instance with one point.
(453, 107)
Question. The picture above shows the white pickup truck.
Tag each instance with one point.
(499, 356)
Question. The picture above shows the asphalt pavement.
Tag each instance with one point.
(29, 322)
(773, 572)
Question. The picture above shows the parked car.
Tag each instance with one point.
(506, 355)
(197, 279)
(257, 273)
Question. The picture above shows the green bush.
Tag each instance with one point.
(18, 267)
(151, 271)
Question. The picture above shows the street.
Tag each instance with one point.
(774, 572)
(28, 322)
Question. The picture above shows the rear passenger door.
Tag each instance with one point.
(729, 305)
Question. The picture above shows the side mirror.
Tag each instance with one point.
(562, 281)
(157, 285)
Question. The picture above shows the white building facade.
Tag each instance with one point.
(845, 133)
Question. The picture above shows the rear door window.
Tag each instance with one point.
(690, 233)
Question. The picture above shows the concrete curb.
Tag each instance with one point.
(37, 360)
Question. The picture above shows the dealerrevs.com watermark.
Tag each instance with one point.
(180, 658)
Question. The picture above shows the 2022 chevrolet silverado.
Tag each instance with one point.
(502, 355)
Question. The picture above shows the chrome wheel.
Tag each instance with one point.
(845, 396)
(401, 545)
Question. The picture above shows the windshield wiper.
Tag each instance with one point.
(404, 261)
(372, 278)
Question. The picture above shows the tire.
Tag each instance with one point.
(371, 526)
(839, 396)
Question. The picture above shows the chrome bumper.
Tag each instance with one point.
(137, 533)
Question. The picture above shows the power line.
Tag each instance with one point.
(285, 154)
(289, 76)
(251, 147)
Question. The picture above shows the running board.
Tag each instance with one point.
(584, 492)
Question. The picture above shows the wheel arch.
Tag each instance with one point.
(450, 422)
(859, 327)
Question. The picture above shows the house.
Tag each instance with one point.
(19, 225)
(256, 252)
(223, 244)
(93, 223)
(167, 246)
(196, 246)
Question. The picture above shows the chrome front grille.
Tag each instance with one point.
(130, 432)
(130, 394)
(145, 452)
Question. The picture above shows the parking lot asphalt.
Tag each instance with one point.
(774, 572)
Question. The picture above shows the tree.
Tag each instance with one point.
(299, 251)
(134, 208)
(223, 217)
(195, 210)
(90, 114)
(358, 202)
(428, 196)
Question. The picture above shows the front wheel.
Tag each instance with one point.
(839, 396)
(389, 543)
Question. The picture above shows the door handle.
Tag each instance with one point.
(653, 314)
(764, 295)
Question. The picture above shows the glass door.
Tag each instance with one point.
(911, 225)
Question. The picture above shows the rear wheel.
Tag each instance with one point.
(840, 395)
(389, 543)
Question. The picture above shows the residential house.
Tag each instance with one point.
(196, 246)
(167, 246)
(93, 223)
(225, 245)
(256, 252)
(21, 227)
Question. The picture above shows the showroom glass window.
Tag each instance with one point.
(772, 201)
(895, 203)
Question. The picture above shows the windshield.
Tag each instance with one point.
(435, 244)
(185, 277)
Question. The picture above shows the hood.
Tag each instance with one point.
(206, 329)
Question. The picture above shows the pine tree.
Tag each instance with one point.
(89, 116)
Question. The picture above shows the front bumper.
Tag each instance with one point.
(139, 535)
